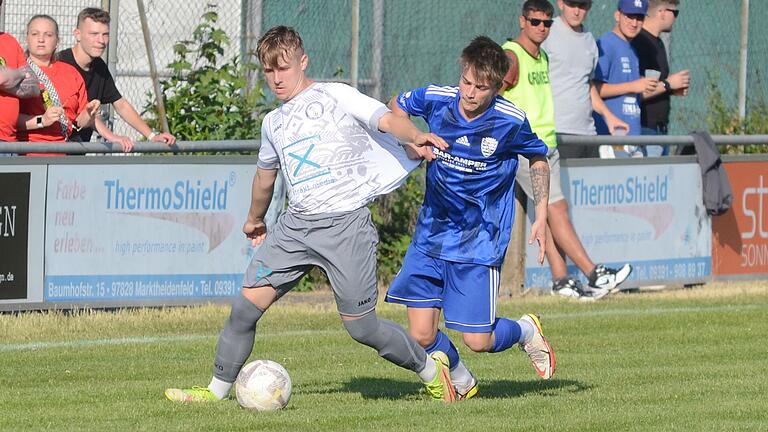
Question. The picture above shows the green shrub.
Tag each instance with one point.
(206, 98)
(723, 119)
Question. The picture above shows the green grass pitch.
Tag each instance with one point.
(680, 360)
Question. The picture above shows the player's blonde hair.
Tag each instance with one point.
(487, 59)
(277, 43)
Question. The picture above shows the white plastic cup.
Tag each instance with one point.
(620, 131)
(652, 73)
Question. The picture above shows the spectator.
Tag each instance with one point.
(534, 95)
(573, 56)
(617, 76)
(92, 37)
(654, 109)
(16, 81)
(63, 105)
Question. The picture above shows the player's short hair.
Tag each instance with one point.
(487, 59)
(277, 43)
(538, 6)
(96, 14)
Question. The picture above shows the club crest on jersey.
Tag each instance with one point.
(488, 146)
(314, 110)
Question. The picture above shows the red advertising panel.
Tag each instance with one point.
(740, 237)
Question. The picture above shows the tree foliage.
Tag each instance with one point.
(208, 98)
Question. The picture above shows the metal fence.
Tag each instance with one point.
(405, 43)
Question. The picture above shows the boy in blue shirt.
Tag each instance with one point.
(454, 260)
(618, 77)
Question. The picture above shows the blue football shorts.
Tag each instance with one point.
(465, 292)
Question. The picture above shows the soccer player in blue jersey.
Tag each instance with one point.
(454, 260)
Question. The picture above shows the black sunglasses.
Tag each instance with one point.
(675, 12)
(536, 22)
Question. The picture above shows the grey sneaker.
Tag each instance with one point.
(606, 278)
(572, 288)
(538, 349)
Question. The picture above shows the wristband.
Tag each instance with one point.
(151, 135)
(667, 87)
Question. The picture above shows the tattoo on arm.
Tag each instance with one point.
(540, 182)
(28, 87)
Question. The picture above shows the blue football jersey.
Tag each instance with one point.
(468, 206)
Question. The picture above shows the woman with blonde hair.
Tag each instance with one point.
(63, 104)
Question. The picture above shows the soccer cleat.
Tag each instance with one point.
(194, 394)
(538, 349)
(468, 392)
(608, 279)
(572, 288)
(441, 388)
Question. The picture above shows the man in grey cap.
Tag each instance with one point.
(573, 56)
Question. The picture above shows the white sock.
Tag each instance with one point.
(429, 372)
(526, 333)
(219, 388)
(460, 375)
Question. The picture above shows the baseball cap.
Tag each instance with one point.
(633, 7)
(581, 2)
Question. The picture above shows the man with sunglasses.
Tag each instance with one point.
(527, 85)
(617, 77)
(655, 108)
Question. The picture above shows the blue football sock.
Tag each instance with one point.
(506, 333)
(442, 343)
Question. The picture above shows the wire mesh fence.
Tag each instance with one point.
(405, 43)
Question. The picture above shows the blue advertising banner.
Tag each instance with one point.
(146, 232)
(648, 215)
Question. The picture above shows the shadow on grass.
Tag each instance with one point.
(383, 388)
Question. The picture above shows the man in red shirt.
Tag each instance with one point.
(16, 81)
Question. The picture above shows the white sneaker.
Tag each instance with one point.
(538, 349)
(606, 278)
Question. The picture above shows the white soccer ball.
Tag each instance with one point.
(263, 385)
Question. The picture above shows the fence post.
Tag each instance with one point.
(378, 48)
(513, 268)
(152, 67)
(2, 18)
(355, 43)
(113, 7)
(743, 54)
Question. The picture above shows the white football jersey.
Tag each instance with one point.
(333, 157)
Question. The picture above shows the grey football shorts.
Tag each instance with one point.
(524, 176)
(341, 244)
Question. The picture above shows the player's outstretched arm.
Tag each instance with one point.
(414, 152)
(540, 184)
(404, 130)
(261, 195)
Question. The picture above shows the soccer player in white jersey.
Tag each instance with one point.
(327, 140)
(454, 260)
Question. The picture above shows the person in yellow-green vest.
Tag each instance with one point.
(527, 86)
